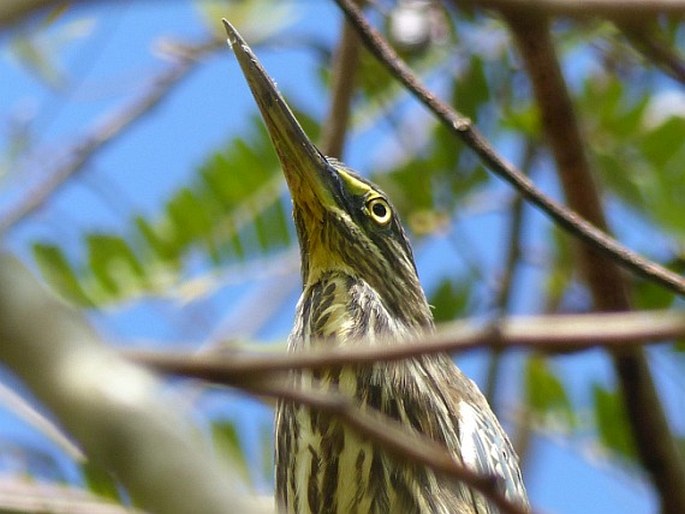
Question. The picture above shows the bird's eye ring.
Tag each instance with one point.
(379, 210)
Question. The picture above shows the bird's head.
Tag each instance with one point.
(345, 224)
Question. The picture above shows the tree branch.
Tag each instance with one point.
(107, 131)
(464, 129)
(263, 373)
(547, 334)
(606, 8)
(655, 443)
(511, 260)
(345, 67)
(12, 11)
(391, 435)
(120, 414)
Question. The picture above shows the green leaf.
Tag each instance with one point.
(471, 89)
(233, 210)
(648, 296)
(59, 274)
(227, 441)
(100, 481)
(449, 300)
(562, 269)
(664, 142)
(113, 263)
(163, 249)
(248, 17)
(545, 393)
(612, 423)
(38, 60)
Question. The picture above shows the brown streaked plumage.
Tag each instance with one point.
(360, 287)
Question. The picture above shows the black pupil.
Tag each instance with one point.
(379, 210)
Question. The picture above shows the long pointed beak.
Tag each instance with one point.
(309, 175)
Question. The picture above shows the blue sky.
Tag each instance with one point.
(143, 168)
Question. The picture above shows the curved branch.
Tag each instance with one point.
(392, 436)
(462, 127)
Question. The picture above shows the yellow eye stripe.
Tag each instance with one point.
(376, 207)
(355, 186)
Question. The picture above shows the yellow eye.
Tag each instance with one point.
(379, 210)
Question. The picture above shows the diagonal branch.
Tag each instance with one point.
(107, 132)
(463, 128)
(259, 373)
(391, 435)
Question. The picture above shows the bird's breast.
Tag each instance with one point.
(322, 466)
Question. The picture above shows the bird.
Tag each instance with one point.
(361, 287)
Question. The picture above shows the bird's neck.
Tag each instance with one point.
(348, 310)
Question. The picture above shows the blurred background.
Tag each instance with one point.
(137, 181)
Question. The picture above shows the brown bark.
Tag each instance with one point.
(654, 441)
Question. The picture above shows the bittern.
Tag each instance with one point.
(360, 286)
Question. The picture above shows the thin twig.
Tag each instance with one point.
(391, 435)
(107, 131)
(511, 259)
(547, 334)
(345, 67)
(464, 129)
(655, 443)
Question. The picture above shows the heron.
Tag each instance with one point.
(361, 287)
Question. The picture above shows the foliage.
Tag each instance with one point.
(228, 215)
(233, 207)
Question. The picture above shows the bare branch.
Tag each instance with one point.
(463, 128)
(656, 446)
(12, 11)
(345, 68)
(511, 260)
(122, 416)
(107, 131)
(607, 8)
(561, 333)
(391, 435)
(259, 373)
